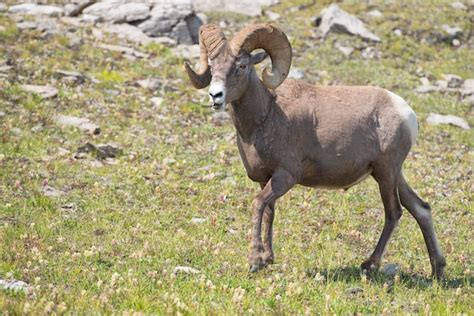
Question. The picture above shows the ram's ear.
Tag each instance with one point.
(258, 58)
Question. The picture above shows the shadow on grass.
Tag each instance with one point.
(350, 274)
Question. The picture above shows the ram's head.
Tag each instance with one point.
(228, 65)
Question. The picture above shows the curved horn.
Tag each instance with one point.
(274, 42)
(211, 41)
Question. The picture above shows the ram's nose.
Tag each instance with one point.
(217, 94)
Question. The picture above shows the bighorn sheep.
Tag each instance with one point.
(290, 132)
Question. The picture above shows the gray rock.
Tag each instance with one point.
(29, 25)
(371, 53)
(245, 7)
(151, 84)
(346, 50)
(197, 220)
(90, 18)
(435, 119)
(296, 73)
(74, 9)
(334, 19)
(128, 32)
(390, 270)
(44, 92)
(83, 124)
(453, 81)
(52, 192)
(72, 76)
(156, 101)
(2, 114)
(186, 270)
(398, 32)
(426, 86)
(117, 12)
(375, 14)
(100, 151)
(35, 9)
(14, 285)
(124, 50)
(467, 87)
(458, 5)
(272, 15)
(187, 51)
(469, 100)
(175, 19)
(452, 32)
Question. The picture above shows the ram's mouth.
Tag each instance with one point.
(217, 106)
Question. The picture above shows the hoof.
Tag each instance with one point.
(369, 266)
(254, 268)
(438, 270)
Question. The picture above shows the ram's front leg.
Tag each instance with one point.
(279, 184)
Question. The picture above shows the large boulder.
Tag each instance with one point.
(334, 19)
(246, 7)
(116, 12)
(175, 19)
(36, 9)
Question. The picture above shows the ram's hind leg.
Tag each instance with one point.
(421, 211)
(393, 211)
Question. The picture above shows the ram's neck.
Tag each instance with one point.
(251, 110)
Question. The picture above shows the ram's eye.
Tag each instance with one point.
(243, 67)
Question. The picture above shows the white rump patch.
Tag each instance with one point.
(406, 113)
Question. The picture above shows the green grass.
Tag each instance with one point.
(111, 242)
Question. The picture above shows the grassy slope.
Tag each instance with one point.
(112, 241)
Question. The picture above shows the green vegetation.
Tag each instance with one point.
(111, 241)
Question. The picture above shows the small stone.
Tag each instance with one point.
(346, 50)
(197, 220)
(467, 87)
(124, 50)
(72, 75)
(452, 31)
(296, 73)
(390, 270)
(2, 114)
(426, 86)
(44, 92)
(156, 101)
(90, 18)
(35, 9)
(83, 124)
(3, 7)
(186, 270)
(26, 25)
(151, 84)
(453, 81)
(458, 5)
(272, 15)
(117, 12)
(37, 128)
(435, 119)
(187, 51)
(375, 14)
(52, 192)
(101, 151)
(354, 290)
(2, 28)
(456, 42)
(14, 285)
(398, 32)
